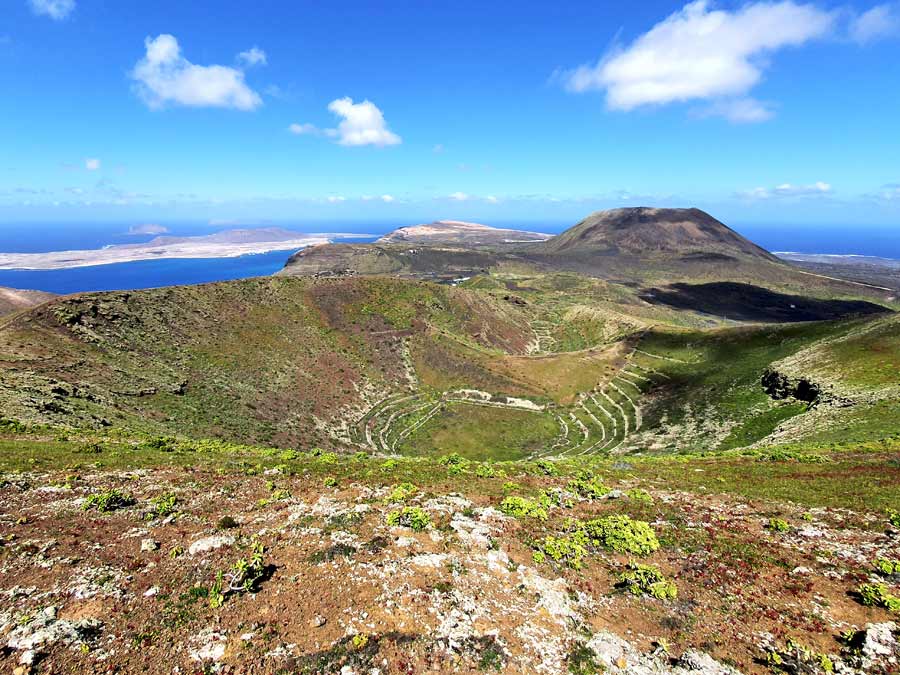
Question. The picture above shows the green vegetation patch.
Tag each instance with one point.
(878, 595)
(481, 433)
(521, 507)
(111, 500)
(619, 533)
(647, 580)
(413, 517)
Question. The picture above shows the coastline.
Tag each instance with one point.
(58, 260)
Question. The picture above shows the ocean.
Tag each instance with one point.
(142, 273)
(882, 241)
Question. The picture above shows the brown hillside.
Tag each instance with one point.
(643, 230)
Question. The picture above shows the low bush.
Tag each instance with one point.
(647, 580)
(402, 492)
(777, 525)
(887, 567)
(894, 517)
(160, 444)
(588, 487)
(520, 507)
(638, 495)
(620, 534)
(795, 657)
(244, 576)
(412, 517)
(546, 467)
(877, 595)
(111, 500)
(485, 470)
(163, 505)
(455, 463)
(567, 551)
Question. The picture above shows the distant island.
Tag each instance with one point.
(459, 232)
(226, 244)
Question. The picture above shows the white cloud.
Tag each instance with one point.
(817, 189)
(879, 22)
(459, 197)
(701, 53)
(491, 199)
(437, 149)
(361, 124)
(253, 57)
(92, 164)
(336, 199)
(388, 198)
(165, 76)
(300, 129)
(55, 9)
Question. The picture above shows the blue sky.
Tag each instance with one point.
(504, 112)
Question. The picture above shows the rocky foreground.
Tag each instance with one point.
(315, 564)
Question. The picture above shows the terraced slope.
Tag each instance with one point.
(279, 359)
(506, 367)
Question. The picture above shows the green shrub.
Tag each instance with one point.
(795, 657)
(520, 507)
(781, 455)
(638, 495)
(164, 505)
(12, 426)
(588, 487)
(568, 551)
(648, 580)
(243, 577)
(546, 467)
(412, 517)
(877, 595)
(455, 463)
(111, 500)
(402, 492)
(331, 482)
(160, 444)
(328, 458)
(510, 486)
(485, 470)
(894, 517)
(887, 567)
(621, 534)
(777, 525)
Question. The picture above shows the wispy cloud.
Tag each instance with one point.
(817, 189)
(164, 77)
(880, 22)
(738, 111)
(306, 128)
(92, 164)
(55, 9)
(252, 57)
(699, 53)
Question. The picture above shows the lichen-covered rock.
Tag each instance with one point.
(620, 657)
(45, 630)
(210, 543)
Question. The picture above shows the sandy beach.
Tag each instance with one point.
(221, 245)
